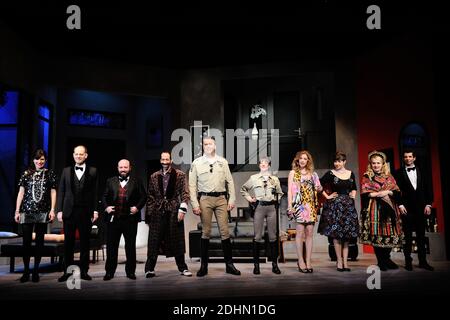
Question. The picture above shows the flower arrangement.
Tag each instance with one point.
(257, 110)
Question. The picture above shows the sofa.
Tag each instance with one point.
(54, 246)
(241, 237)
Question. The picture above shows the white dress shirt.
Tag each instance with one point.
(412, 175)
(124, 182)
(79, 173)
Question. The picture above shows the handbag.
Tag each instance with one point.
(297, 207)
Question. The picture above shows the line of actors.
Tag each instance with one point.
(388, 215)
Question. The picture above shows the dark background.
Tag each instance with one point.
(205, 34)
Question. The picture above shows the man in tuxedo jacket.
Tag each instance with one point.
(123, 199)
(77, 208)
(414, 205)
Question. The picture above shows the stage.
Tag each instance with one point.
(169, 285)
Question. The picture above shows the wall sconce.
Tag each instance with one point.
(300, 133)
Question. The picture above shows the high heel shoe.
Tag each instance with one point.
(346, 268)
(300, 269)
(339, 269)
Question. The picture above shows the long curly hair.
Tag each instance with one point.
(309, 164)
(384, 169)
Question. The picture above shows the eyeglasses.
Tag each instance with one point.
(211, 168)
(265, 184)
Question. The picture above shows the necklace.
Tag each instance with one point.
(340, 173)
(36, 181)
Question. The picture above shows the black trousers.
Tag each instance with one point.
(410, 224)
(128, 227)
(27, 234)
(382, 254)
(151, 260)
(81, 220)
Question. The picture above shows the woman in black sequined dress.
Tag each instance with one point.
(35, 207)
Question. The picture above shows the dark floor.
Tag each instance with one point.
(170, 285)
(223, 296)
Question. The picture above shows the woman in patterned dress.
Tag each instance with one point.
(339, 219)
(380, 216)
(35, 207)
(303, 186)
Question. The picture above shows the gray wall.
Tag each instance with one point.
(202, 99)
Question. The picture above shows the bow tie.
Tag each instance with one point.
(79, 168)
(123, 179)
(409, 169)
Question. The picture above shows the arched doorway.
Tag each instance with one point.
(414, 136)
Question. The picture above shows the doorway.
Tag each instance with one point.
(103, 154)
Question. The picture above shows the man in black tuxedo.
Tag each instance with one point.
(123, 199)
(77, 208)
(414, 205)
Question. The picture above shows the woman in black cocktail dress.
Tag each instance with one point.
(35, 207)
(339, 219)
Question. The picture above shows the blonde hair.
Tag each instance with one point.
(309, 165)
(384, 169)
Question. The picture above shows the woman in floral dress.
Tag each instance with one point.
(339, 219)
(303, 186)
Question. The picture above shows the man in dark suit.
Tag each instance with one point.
(415, 204)
(123, 199)
(77, 208)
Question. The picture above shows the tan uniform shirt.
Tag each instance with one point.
(262, 190)
(206, 177)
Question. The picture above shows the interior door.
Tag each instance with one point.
(287, 119)
(102, 153)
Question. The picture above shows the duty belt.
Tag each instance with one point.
(212, 194)
(267, 203)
